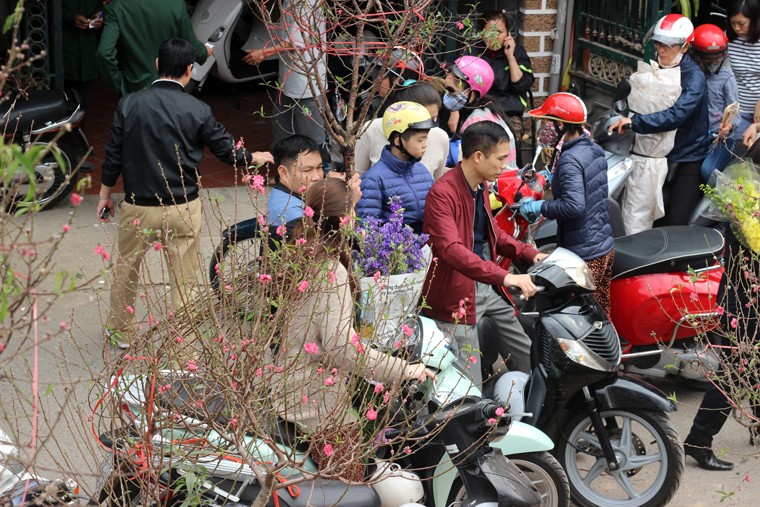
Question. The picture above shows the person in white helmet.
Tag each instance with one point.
(672, 36)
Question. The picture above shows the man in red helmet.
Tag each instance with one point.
(710, 46)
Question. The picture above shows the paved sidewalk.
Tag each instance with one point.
(66, 368)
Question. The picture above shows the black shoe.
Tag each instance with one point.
(707, 459)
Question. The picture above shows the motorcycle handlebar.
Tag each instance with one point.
(627, 126)
(514, 290)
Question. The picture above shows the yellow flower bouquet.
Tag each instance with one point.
(737, 196)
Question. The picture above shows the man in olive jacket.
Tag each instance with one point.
(132, 32)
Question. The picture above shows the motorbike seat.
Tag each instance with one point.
(329, 492)
(664, 249)
(42, 107)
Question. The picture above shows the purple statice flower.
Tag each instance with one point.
(391, 247)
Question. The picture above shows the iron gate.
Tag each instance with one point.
(609, 40)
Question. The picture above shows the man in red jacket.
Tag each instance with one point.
(460, 287)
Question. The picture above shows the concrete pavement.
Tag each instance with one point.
(68, 363)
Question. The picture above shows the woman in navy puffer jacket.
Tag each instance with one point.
(579, 185)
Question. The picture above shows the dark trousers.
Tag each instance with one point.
(681, 193)
(715, 408)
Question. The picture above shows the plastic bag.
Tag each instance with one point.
(737, 196)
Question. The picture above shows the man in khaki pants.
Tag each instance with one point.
(157, 141)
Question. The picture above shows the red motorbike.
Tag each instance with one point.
(664, 285)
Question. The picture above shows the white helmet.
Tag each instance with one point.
(396, 486)
(672, 30)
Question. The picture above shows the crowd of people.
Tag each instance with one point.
(442, 175)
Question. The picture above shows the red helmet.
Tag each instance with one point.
(671, 30)
(564, 107)
(710, 40)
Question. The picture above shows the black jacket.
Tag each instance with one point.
(510, 97)
(157, 141)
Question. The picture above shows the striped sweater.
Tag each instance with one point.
(744, 58)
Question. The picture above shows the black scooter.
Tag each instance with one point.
(32, 122)
(611, 431)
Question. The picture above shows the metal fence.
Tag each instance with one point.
(609, 38)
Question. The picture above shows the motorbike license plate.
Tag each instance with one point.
(105, 471)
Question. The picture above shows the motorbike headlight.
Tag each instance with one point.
(583, 276)
(580, 353)
(402, 345)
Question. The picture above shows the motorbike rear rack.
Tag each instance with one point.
(685, 321)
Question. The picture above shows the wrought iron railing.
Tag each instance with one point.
(609, 38)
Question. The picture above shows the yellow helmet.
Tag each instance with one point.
(401, 116)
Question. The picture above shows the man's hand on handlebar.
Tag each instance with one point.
(620, 125)
(522, 282)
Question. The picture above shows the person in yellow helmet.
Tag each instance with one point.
(399, 171)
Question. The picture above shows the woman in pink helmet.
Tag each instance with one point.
(467, 84)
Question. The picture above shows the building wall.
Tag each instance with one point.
(538, 29)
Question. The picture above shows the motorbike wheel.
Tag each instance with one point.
(647, 448)
(547, 475)
(235, 258)
(53, 179)
(543, 470)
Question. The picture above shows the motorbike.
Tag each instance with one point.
(461, 460)
(20, 486)
(657, 325)
(32, 122)
(614, 438)
(230, 28)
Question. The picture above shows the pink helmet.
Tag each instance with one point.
(475, 72)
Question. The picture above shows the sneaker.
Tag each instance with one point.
(115, 338)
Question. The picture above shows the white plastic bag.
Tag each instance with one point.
(652, 89)
(386, 301)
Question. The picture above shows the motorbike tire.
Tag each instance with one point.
(237, 253)
(543, 470)
(547, 476)
(581, 457)
(53, 182)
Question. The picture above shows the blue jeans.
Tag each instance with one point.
(720, 155)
